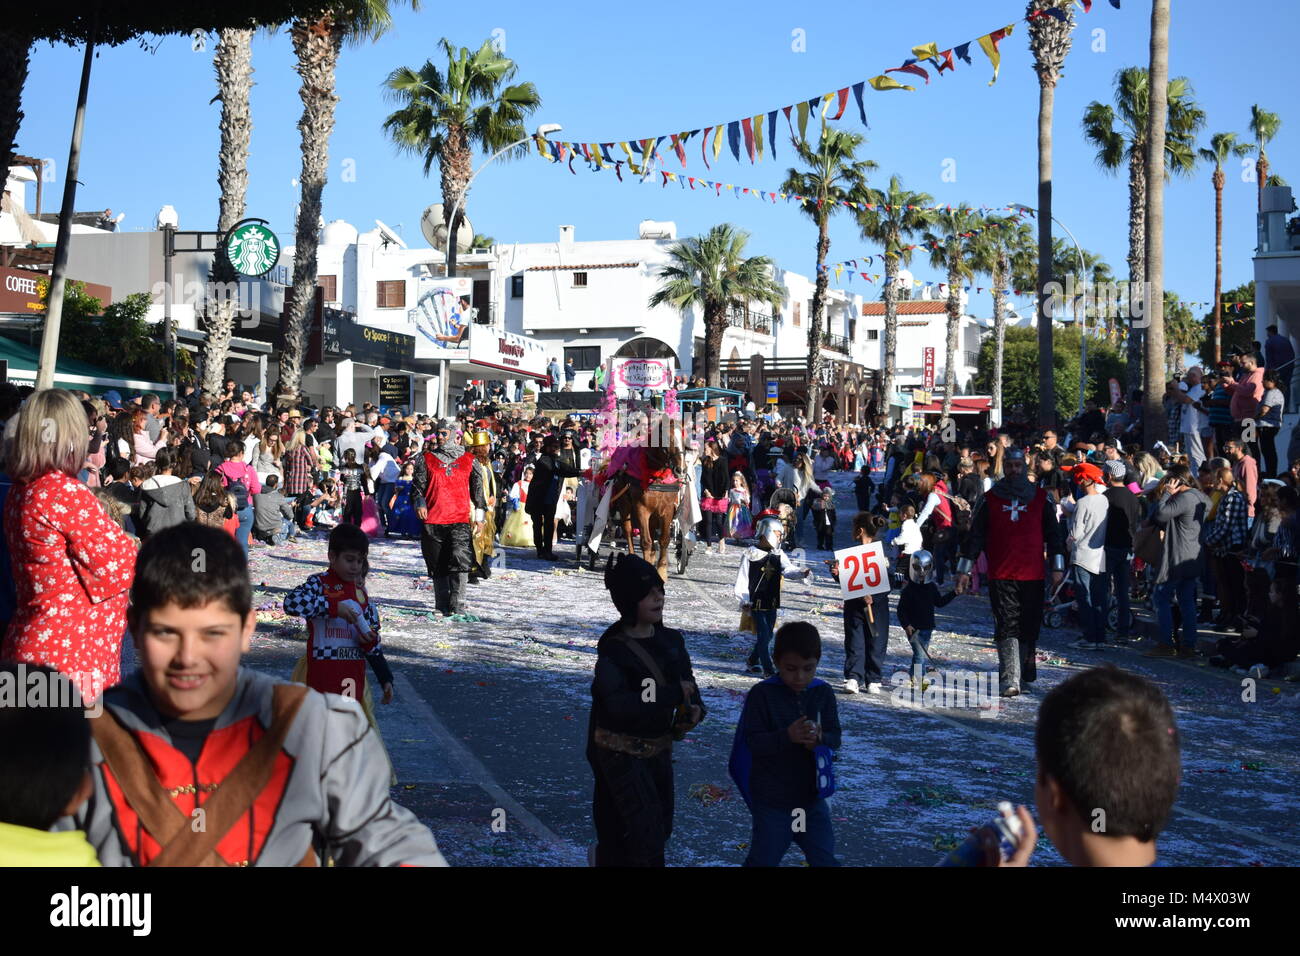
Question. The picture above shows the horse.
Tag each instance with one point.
(654, 507)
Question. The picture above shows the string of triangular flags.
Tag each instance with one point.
(748, 132)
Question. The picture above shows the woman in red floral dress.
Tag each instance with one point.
(72, 564)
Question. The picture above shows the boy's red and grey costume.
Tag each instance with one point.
(337, 650)
(285, 776)
(1016, 526)
(450, 487)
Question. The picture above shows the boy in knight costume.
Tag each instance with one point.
(277, 774)
(1016, 526)
(758, 586)
(485, 506)
(445, 483)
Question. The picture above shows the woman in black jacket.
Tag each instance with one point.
(544, 494)
(715, 480)
(630, 732)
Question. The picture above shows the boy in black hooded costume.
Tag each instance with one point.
(643, 697)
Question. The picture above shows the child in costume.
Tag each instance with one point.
(916, 604)
(342, 624)
(740, 522)
(630, 733)
(44, 769)
(758, 587)
(285, 776)
(824, 520)
(781, 755)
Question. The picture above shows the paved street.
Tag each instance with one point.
(490, 719)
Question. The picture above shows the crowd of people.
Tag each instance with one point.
(105, 499)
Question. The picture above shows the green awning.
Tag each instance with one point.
(24, 360)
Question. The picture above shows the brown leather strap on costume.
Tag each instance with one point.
(181, 846)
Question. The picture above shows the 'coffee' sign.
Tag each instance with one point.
(23, 291)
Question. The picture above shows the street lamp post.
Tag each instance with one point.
(1083, 324)
(542, 131)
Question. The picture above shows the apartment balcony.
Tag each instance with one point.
(752, 321)
(836, 343)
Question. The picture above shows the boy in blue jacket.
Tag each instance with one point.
(787, 729)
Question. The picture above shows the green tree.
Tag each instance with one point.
(889, 219)
(1222, 147)
(1263, 126)
(117, 337)
(1049, 39)
(1238, 324)
(443, 116)
(712, 273)
(1021, 367)
(951, 240)
(832, 173)
(318, 40)
(1120, 136)
(1184, 333)
(1003, 252)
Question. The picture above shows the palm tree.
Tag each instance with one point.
(1049, 38)
(1264, 127)
(888, 219)
(832, 174)
(233, 63)
(1183, 333)
(15, 57)
(712, 272)
(1002, 251)
(442, 117)
(952, 248)
(1222, 146)
(481, 241)
(1120, 134)
(1154, 366)
(317, 42)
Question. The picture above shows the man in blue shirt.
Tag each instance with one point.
(1279, 357)
(553, 370)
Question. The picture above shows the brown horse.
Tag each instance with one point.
(653, 508)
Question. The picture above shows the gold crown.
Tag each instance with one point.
(474, 439)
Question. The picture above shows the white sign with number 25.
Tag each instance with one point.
(864, 570)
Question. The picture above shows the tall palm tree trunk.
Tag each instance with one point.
(1155, 220)
(1261, 178)
(1000, 270)
(455, 170)
(1218, 264)
(15, 50)
(816, 319)
(715, 326)
(1046, 380)
(233, 63)
(316, 45)
(1137, 197)
(950, 361)
(891, 334)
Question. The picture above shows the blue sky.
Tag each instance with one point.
(619, 71)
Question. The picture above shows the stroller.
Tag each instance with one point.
(1059, 607)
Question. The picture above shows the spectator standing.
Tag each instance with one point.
(1271, 409)
(1279, 355)
(1180, 512)
(1123, 514)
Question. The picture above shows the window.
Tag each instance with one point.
(585, 357)
(580, 280)
(390, 294)
(798, 312)
(517, 287)
(873, 335)
(331, 286)
(853, 330)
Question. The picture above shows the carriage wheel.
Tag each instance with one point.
(1055, 619)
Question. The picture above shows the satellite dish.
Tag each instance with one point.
(435, 231)
(166, 217)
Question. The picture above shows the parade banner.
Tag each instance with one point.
(627, 374)
(864, 570)
(517, 355)
(747, 134)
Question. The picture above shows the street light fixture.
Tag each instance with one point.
(1083, 323)
(543, 131)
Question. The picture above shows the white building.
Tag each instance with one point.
(1277, 291)
(922, 324)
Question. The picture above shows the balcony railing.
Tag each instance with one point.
(971, 358)
(836, 343)
(753, 321)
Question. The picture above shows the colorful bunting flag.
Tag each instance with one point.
(989, 44)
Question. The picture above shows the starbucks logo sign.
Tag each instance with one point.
(252, 247)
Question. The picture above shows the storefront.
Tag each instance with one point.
(844, 389)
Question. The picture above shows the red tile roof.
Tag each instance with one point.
(908, 307)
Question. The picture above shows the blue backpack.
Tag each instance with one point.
(741, 764)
